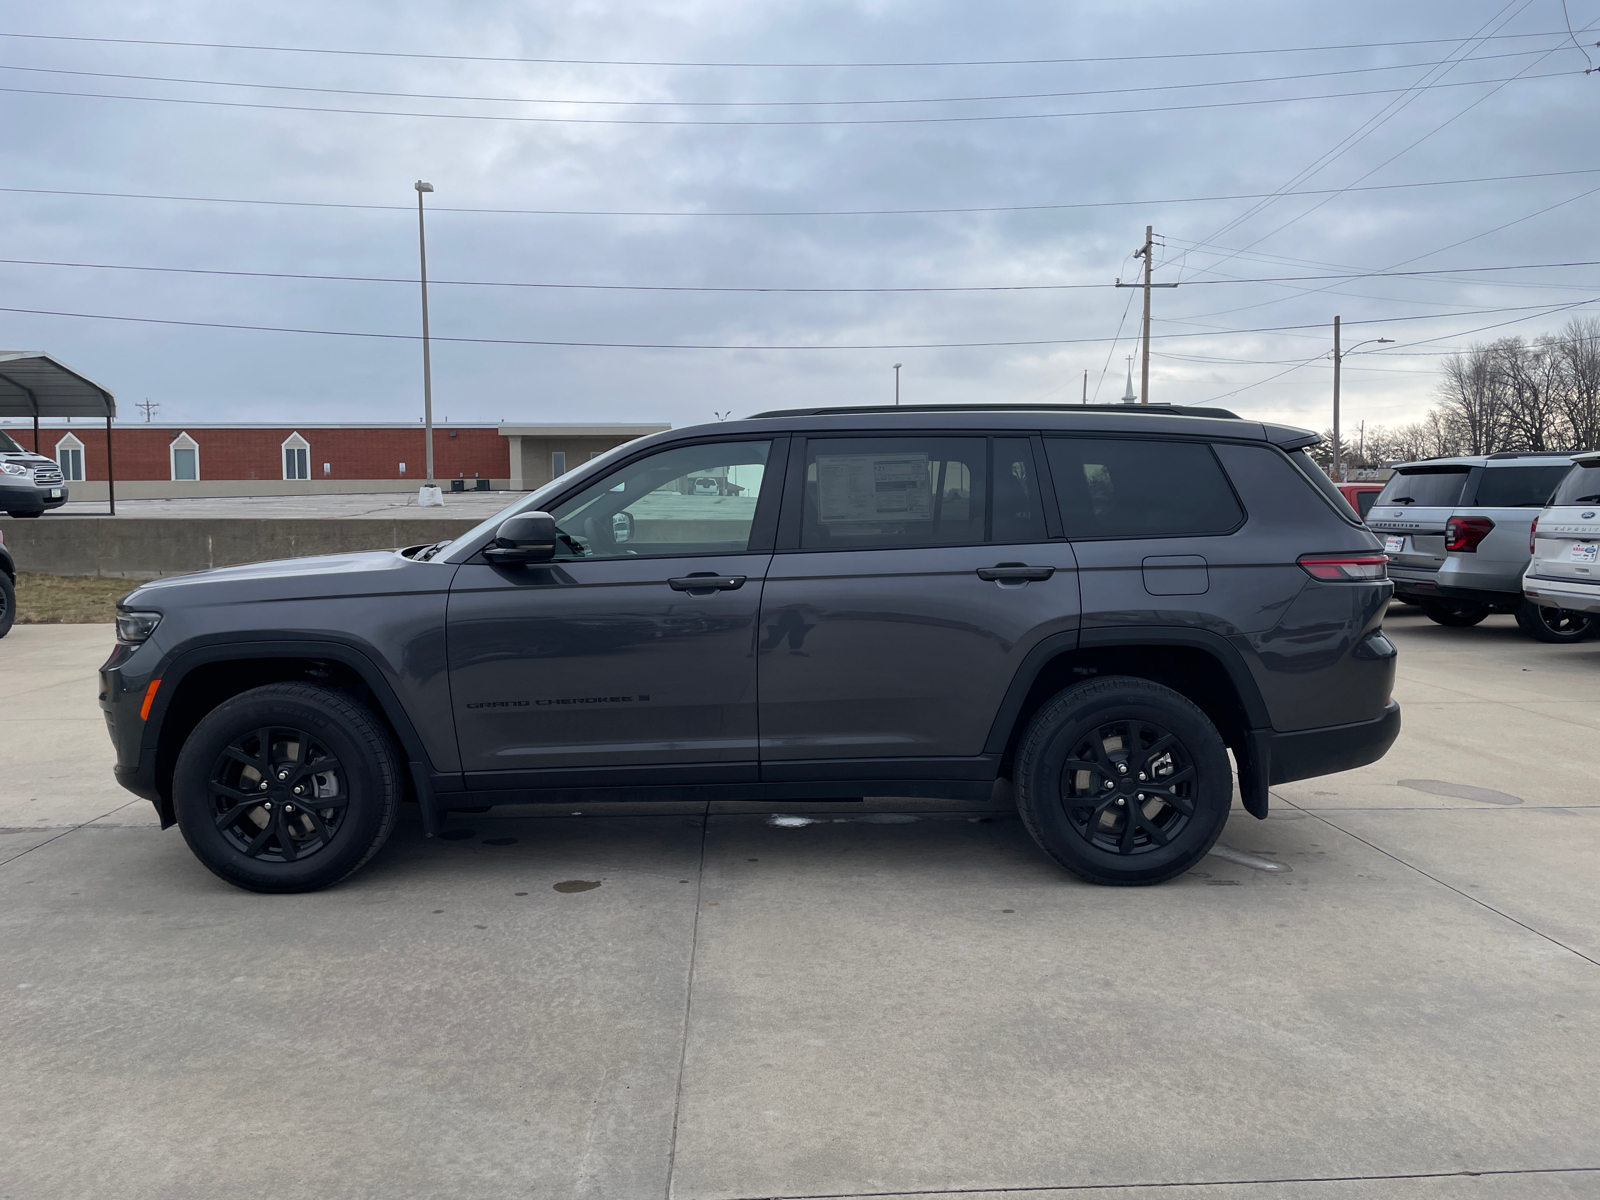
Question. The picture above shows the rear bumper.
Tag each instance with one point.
(1562, 593)
(1311, 752)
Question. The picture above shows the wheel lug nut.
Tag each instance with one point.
(1109, 785)
(1120, 802)
(283, 774)
(288, 808)
(267, 806)
(299, 791)
(263, 785)
(1141, 776)
(1122, 768)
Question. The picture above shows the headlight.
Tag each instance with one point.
(13, 468)
(135, 627)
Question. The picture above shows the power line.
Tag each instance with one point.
(654, 287)
(858, 212)
(1369, 126)
(412, 337)
(1165, 87)
(950, 120)
(601, 62)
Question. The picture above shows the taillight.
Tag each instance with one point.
(1464, 533)
(1532, 534)
(1346, 566)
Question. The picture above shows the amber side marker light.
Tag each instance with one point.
(149, 699)
(1346, 567)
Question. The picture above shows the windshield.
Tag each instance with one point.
(1518, 487)
(1581, 486)
(7, 446)
(1428, 488)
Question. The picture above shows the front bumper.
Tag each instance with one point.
(1308, 753)
(1562, 593)
(19, 496)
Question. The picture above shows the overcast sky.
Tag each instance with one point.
(1166, 115)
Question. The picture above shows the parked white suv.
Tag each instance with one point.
(1456, 531)
(1564, 572)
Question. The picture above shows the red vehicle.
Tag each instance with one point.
(1360, 496)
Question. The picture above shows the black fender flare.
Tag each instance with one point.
(1254, 755)
(172, 673)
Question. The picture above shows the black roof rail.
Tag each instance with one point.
(1165, 410)
(1531, 453)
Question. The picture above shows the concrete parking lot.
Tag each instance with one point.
(1391, 988)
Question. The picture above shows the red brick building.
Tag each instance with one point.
(231, 459)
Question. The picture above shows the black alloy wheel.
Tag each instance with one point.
(287, 788)
(1456, 614)
(1557, 625)
(1128, 787)
(8, 603)
(279, 794)
(1123, 781)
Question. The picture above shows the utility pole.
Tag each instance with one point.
(1338, 360)
(427, 362)
(1144, 252)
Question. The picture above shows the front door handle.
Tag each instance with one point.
(704, 585)
(1014, 572)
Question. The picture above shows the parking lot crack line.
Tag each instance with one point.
(64, 832)
(688, 1000)
(1464, 895)
(1085, 1188)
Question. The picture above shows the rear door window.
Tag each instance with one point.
(1116, 488)
(882, 493)
(1429, 488)
(1518, 487)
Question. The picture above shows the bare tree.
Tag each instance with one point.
(1472, 401)
(1579, 351)
(1529, 380)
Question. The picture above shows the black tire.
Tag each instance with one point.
(1105, 834)
(8, 603)
(1457, 614)
(270, 741)
(1559, 625)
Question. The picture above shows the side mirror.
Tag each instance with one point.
(621, 527)
(528, 537)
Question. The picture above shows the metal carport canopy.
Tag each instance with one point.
(32, 384)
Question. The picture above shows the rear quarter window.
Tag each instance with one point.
(1581, 485)
(1518, 487)
(1430, 487)
(1117, 488)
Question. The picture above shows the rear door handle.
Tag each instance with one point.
(1018, 572)
(704, 585)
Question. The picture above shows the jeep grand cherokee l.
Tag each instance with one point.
(1096, 603)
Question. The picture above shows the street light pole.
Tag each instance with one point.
(1338, 360)
(897, 385)
(427, 361)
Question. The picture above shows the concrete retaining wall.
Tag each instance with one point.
(187, 489)
(145, 548)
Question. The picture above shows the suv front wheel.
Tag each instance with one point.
(1123, 781)
(287, 788)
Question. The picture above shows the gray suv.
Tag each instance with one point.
(1457, 532)
(1097, 604)
(29, 483)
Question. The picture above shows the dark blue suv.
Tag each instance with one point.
(1096, 603)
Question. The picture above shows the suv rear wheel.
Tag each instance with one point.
(1123, 781)
(1554, 624)
(8, 604)
(287, 788)
(1457, 614)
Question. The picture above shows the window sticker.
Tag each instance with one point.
(873, 487)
